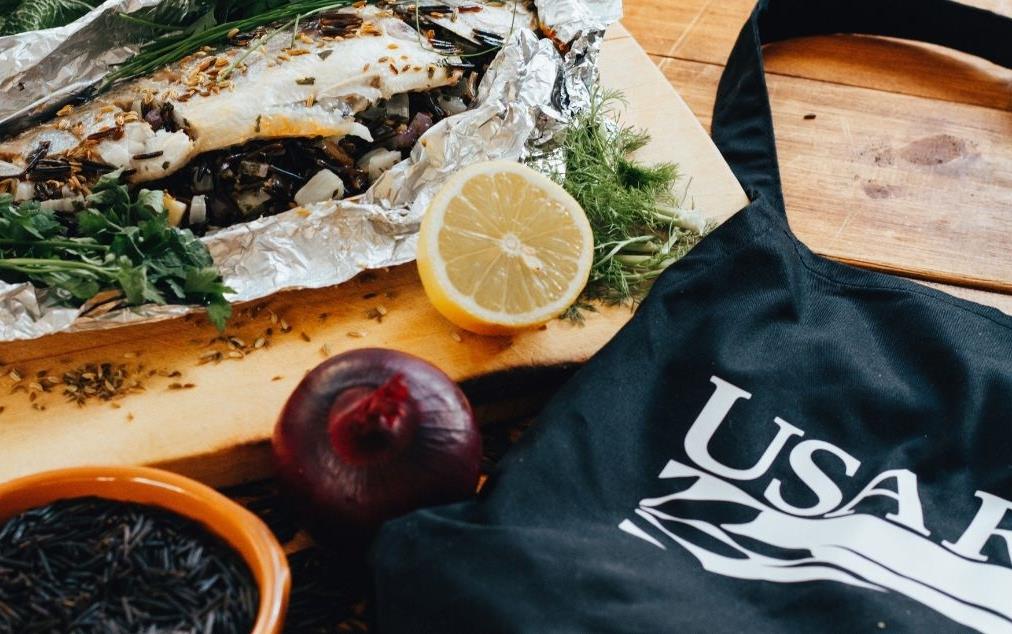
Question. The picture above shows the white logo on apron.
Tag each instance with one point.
(827, 541)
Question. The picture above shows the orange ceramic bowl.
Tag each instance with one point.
(244, 531)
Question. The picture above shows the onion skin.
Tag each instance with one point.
(349, 463)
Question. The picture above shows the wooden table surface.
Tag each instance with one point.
(903, 169)
(906, 167)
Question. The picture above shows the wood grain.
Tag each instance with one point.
(902, 184)
(677, 135)
(885, 64)
(659, 25)
(211, 420)
(232, 405)
(889, 176)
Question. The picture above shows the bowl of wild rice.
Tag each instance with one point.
(131, 549)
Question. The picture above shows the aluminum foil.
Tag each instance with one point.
(41, 70)
(529, 94)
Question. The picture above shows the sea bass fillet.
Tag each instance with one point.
(305, 85)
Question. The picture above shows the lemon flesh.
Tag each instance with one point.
(503, 248)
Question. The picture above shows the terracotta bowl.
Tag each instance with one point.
(244, 531)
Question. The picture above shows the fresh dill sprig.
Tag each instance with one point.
(634, 212)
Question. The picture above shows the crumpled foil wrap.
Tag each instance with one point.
(528, 95)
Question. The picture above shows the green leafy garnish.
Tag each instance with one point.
(116, 242)
(213, 28)
(19, 16)
(634, 212)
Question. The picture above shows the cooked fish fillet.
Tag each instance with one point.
(480, 24)
(311, 87)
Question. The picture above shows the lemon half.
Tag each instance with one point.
(503, 248)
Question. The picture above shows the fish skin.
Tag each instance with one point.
(269, 95)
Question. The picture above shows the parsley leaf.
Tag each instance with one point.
(117, 241)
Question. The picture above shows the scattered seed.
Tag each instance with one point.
(456, 337)
(305, 337)
(214, 356)
(103, 381)
(358, 334)
(277, 378)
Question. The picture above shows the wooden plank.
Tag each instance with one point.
(893, 182)
(678, 136)
(616, 32)
(886, 64)
(233, 404)
(659, 25)
(212, 420)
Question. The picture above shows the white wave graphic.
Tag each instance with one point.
(858, 550)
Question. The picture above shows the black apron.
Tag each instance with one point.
(775, 441)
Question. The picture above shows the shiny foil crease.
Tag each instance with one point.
(41, 70)
(530, 93)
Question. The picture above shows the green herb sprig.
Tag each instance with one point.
(18, 16)
(213, 28)
(633, 208)
(117, 242)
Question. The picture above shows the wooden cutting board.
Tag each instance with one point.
(208, 406)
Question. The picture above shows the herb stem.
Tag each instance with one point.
(40, 265)
(67, 244)
(174, 46)
(148, 23)
(643, 247)
(634, 211)
(253, 47)
(635, 260)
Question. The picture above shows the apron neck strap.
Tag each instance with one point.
(742, 123)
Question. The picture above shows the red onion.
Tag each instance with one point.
(419, 125)
(372, 434)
